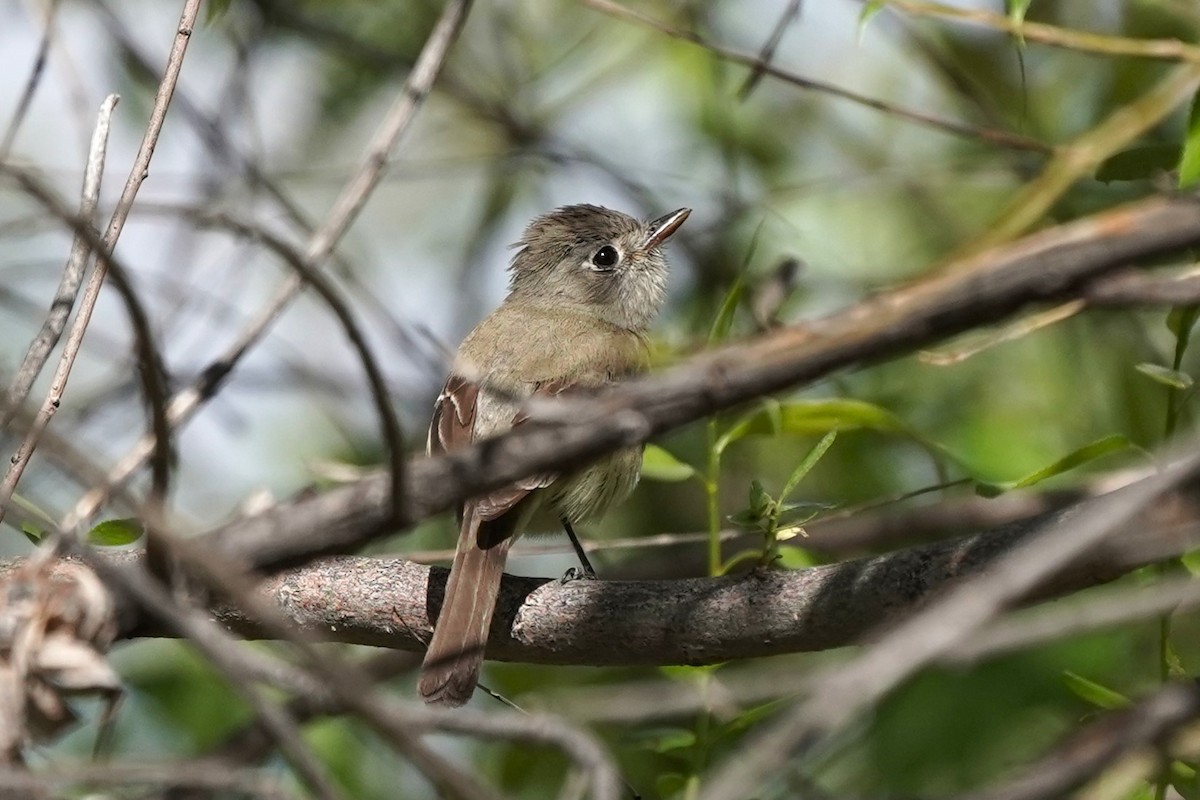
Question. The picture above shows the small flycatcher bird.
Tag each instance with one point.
(585, 285)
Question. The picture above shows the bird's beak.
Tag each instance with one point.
(662, 228)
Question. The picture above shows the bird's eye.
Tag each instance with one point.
(606, 257)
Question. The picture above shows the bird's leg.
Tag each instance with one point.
(574, 573)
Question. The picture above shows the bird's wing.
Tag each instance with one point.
(453, 427)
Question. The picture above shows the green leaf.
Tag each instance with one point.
(672, 740)
(1184, 780)
(1165, 375)
(751, 717)
(724, 320)
(869, 11)
(1138, 163)
(32, 532)
(1016, 9)
(747, 519)
(1094, 693)
(796, 558)
(767, 418)
(760, 502)
(805, 466)
(659, 465)
(1182, 319)
(670, 784)
(1090, 452)
(1189, 159)
(116, 532)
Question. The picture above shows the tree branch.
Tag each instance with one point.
(1049, 266)
(391, 602)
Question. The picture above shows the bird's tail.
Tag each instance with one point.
(451, 667)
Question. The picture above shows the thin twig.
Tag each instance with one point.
(1048, 267)
(160, 465)
(354, 195)
(221, 650)
(68, 287)
(150, 368)
(1111, 609)
(31, 84)
(1001, 138)
(39, 349)
(839, 694)
(768, 51)
(393, 436)
(1081, 41)
(1089, 752)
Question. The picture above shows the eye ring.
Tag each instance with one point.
(606, 257)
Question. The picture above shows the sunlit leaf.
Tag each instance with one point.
(1189, 159)
(1016, 9)
(659, 465)
(1094, 693)
(796, 558)
(116, 532)
(673, 740)
(805, 466)
(869, 10)
(32, 532)
(1165, 375)
(974, 343)
(1089, 452)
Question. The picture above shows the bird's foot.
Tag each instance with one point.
(578, 574)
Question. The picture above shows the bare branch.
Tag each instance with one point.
(391, 602)
(354, 195)
(1082, 41)
(838, 695)
(1050, 266)
(72, 278)
(1001, 138)
(1094, 748)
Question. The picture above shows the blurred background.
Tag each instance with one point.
(804, 200)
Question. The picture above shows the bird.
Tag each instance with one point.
(585, 284)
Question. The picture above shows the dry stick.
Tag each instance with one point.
(160, 429)
(1082, 41)
(1089, 752)
(1049, 266)
(221, 650)
(354, 195)
(68, 286)
(1078, 159)
(383, 602)
(64, 299)
(35, 77)
(768, 51)
(208, 129)
(1121, 606)
(194, 778)
(393, 437)
(354, 690)
(1138, 290)
(839, 695)
(150, 369)
(1001, 138)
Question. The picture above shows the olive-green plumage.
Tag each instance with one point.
(586, 284)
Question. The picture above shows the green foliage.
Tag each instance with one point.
(116, 532)
(1076, 458)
